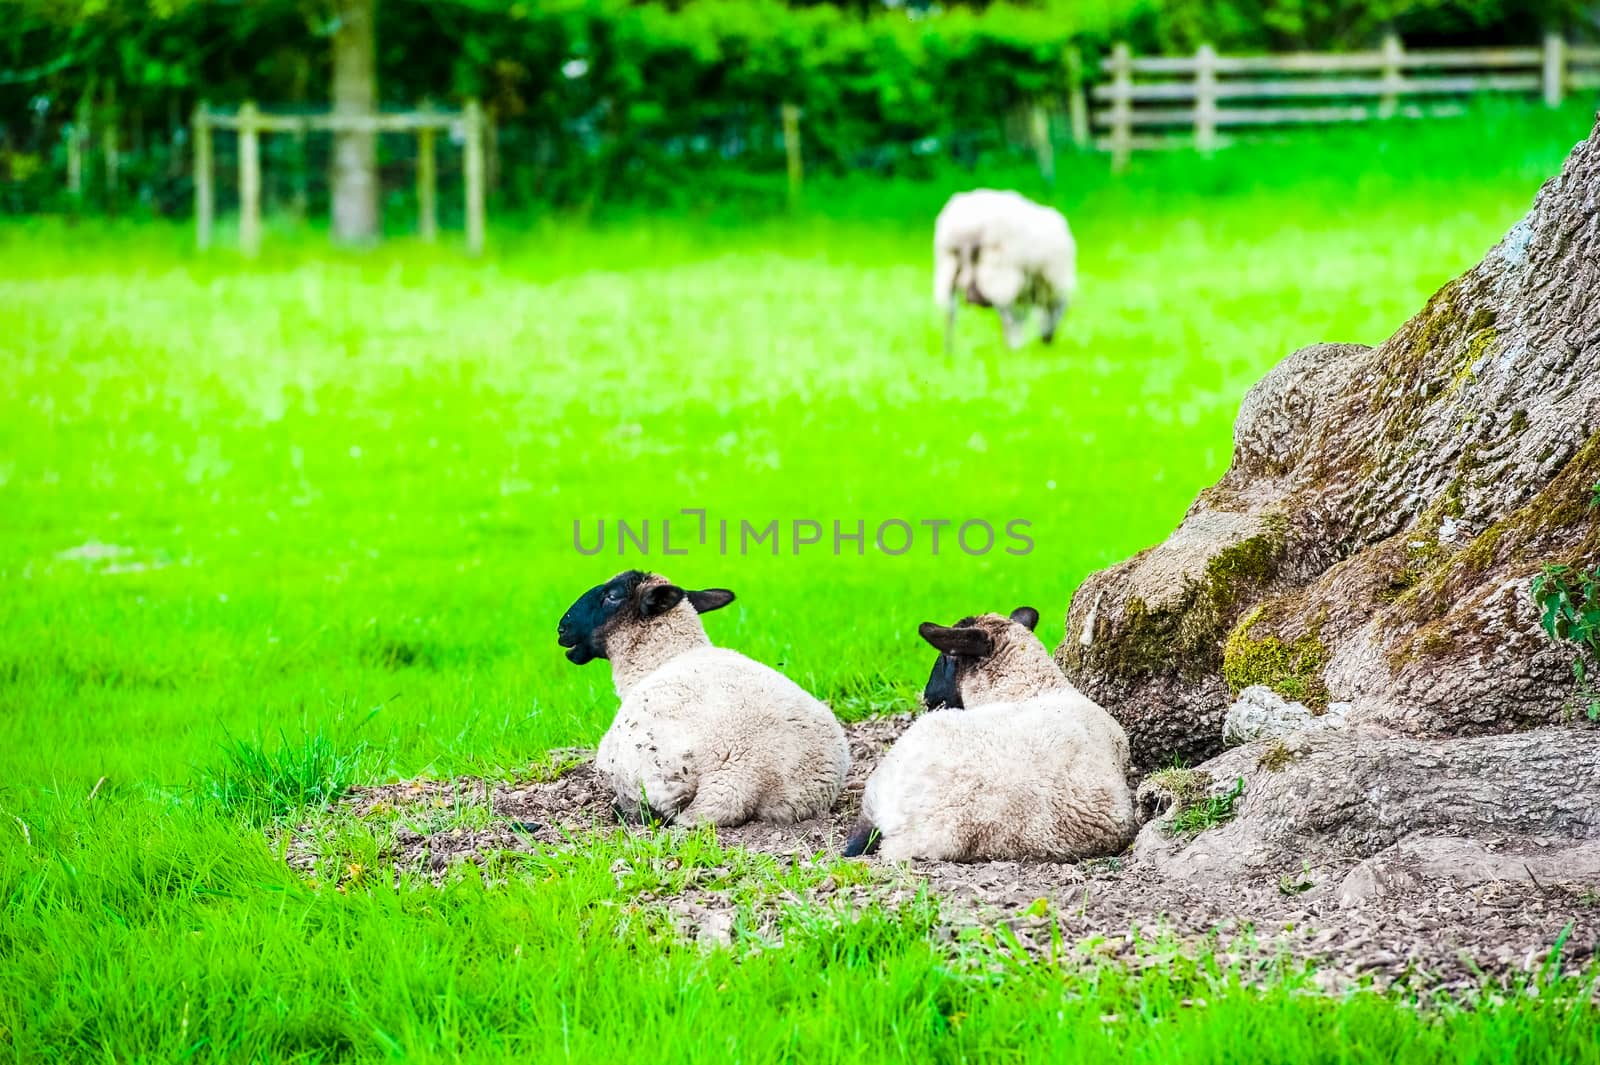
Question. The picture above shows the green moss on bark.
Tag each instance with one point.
(1291, 668)
(1433, 356)
(1522, 540)
(1188, 634)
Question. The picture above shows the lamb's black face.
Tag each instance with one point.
(943, 691)
(583, 627)
(629, 596)
(961, 647)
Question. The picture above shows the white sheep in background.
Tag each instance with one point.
(704, 734)
(1034, 770)
(1002, 250)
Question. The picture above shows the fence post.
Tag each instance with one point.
(791, 151)
(1393, 82)
(1039, 133)
(108, 147)
(491, 150)
(78, 141)
(427, 182)
(472, 167)
(300, 198)
(74, 161)
(249, 179)
(1121, 105)
(1555, 69)
(203, 203)
(1077, 106)
(1205, 98)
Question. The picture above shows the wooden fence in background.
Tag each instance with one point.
(250, 122)
(1145, 102)
(1180, 101)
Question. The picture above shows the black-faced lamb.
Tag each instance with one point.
(703, 734)
(1000, 249)
(1031, 769)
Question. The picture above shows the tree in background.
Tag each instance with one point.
(355, 93)
(597, 100)
(1319, 25)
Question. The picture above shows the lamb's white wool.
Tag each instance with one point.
(1002, 250)
(1034, 770)
(703, 734)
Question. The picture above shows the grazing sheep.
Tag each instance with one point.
(704, 734)
(1034, 770)
(1002, 250)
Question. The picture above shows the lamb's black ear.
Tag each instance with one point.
(974, 643)
(710, 599)
(1026, 616)
(658, 599)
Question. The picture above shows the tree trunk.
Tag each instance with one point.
(355, 93)
(1323, 803)
(1374, 540)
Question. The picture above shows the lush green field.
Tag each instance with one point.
(332, 496)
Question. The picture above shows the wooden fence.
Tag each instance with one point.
(250, 122)
(1207, 92)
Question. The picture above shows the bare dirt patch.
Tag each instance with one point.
(1438, 933)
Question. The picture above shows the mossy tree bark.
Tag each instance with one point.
(1386, 508)
(1320, 803)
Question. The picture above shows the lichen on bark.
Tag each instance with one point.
(1387, 507)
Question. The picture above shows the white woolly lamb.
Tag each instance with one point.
(1036, 770)
(1002, 250)
(704, 734)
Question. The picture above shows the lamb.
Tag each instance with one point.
(703, 734)
(1002, 250)
(1035, 770)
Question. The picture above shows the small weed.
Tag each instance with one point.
(557, 763)
(1209, 812)
(1295, 885)
(1186, 786)
(264, 785)
(1568, 599)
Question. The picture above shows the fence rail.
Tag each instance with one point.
(250, 123)
(1221, 91)
(1138, 103)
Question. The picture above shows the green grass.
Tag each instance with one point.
(1207, 812)
(342, 487)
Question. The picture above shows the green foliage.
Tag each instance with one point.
(593, 99)
(262, 785)
(1290, 884)
(1568, 598)
(1343, 25)
(1207, 811)
(608, 100)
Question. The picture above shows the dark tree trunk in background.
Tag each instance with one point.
(355, 92)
